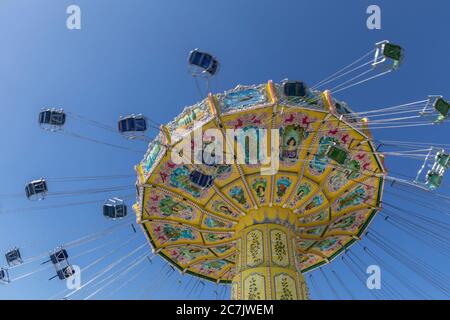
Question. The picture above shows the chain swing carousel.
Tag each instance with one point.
(229, 215)
(229, 223)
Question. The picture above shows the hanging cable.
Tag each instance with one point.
(94, 263)
(164, 279)
(316, 288)
(329, 284)
(117, 275)
(28, 274)
(94, 123)
(332, 76)
(56, 206)
(430, 238)
(343, 284)
(130, 280)
(420, 267)
(90, 178)
(396, 274)
(392, 292)
(155, 279)
(351, 262)
(76, 135)
(356, 274)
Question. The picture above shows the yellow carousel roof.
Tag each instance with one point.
(193, 226)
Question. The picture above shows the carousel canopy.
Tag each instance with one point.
(329, 176)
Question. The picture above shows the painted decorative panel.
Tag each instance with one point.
(255, 248)
(254, 287)
(279, 246)
(285, 287)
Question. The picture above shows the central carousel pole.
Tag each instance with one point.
(266, 261)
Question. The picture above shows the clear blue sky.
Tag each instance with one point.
(130, 57)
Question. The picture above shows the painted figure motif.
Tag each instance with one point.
(259, 185)
(283, 185)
